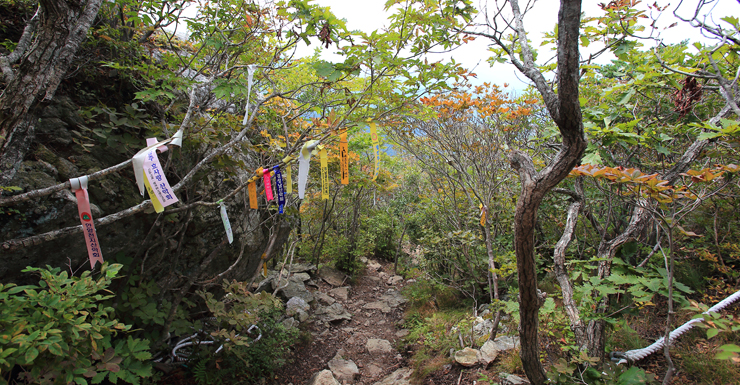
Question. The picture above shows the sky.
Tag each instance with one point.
(368, 15)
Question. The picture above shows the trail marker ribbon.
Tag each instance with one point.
(324, 173)
(225, 220)
(288, 177)
(79, 187)
(250, 75)
(280, 189)
(376, 148)
(303, 165)
(344, 156)
(150, 174)
(252, 187)
(268, 184)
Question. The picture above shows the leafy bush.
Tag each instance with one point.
(246, 356)
(58, 332)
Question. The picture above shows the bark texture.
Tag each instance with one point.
(566, 112)
(58, 30)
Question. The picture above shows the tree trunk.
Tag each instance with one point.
(565, 110)
(60, 28)
(561, 274)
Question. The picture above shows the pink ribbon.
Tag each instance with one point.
(268, 184)
(79, 186)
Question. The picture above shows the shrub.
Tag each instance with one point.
(245, 356)
(58, 332)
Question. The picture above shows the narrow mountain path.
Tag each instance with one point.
(356, 351)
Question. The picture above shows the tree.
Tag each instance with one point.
(44, 55)
(565, 110)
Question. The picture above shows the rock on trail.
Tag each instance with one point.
(353, 328)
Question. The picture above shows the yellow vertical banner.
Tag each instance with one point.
(252, 187)
(152, 196)
(344, 156)
(482, 215)
(288, 180)
(376, 148)
(324, 173)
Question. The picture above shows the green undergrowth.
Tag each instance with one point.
(432, 313)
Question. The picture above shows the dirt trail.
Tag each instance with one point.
(376, 315)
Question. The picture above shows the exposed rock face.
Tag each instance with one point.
(467, 357)
(323, 377)
(170, 249)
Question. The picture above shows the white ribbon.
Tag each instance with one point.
(303, 164)
(250, 74)
(140, 157)
(227, 224)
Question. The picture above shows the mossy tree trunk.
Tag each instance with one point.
(44, 54)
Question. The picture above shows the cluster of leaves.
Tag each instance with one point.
(58, 331)
(247, 326)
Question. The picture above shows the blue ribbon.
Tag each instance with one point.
(280, 188)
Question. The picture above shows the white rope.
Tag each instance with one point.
(638, 354)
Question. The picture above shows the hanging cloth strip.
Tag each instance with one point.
(79, 187)
(280, 189)
(268, 184)
(150, 175)
(344, 156)
(324, 173)
(225, 220)
(252, 187)
(376, 148)
(303, 165)
(250, 75)
(288, 178)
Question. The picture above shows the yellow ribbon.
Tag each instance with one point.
(324, 172)
(288, 178)
(344, 156)
(153, 197)
(376, 148)
(252, 187)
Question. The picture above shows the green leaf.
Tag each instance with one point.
(712, 332)
(592, 158)
(730, 348)
(31, 354)
(323, 68)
